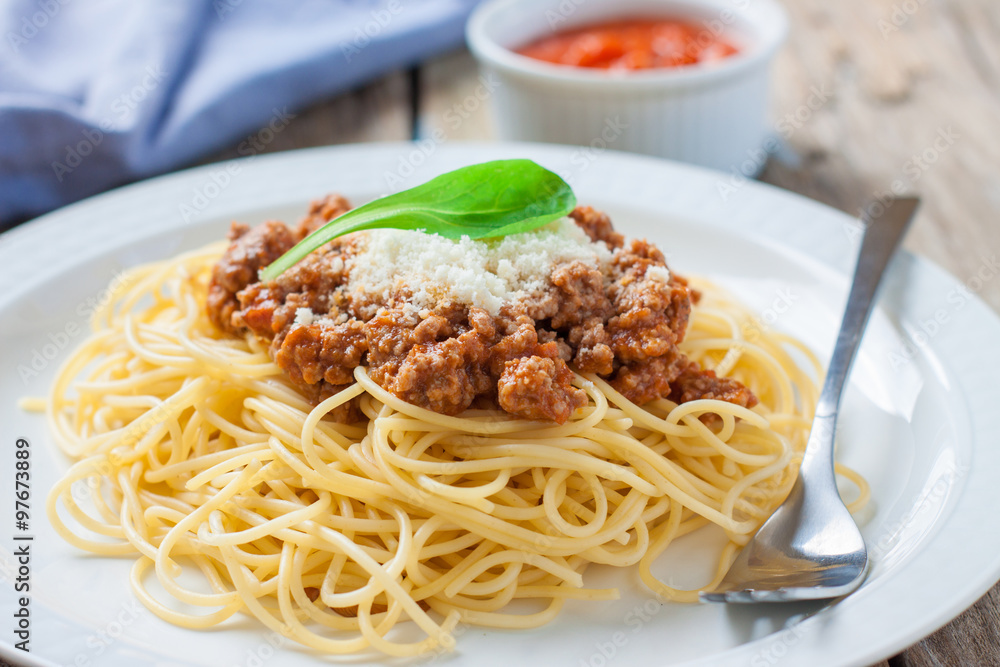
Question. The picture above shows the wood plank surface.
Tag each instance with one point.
(913, 99)
(449, 104)
(379, 111)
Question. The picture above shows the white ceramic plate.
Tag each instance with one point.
(919, 420)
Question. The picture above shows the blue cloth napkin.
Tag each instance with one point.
(95, 93)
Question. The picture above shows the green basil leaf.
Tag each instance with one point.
(487, 200)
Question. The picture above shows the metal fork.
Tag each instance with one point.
(810, 548)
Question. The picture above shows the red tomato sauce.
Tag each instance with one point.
(632, 44)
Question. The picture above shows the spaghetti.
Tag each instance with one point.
(195, 452)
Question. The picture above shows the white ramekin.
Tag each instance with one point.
(714, 115)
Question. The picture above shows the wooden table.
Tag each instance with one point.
(894, 82)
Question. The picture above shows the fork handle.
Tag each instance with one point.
(882, 236)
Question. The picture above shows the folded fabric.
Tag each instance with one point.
(95, 93)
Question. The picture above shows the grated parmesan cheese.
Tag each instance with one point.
(658, 273)
(304, 316)
(484, 274)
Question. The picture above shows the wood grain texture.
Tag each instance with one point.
(912, 100)
(379, 111)
(455, 100)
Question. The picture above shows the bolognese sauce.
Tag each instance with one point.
(603, 305)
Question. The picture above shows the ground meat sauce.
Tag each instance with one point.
(623, 325)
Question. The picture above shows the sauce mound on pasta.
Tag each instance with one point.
(447, 325)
